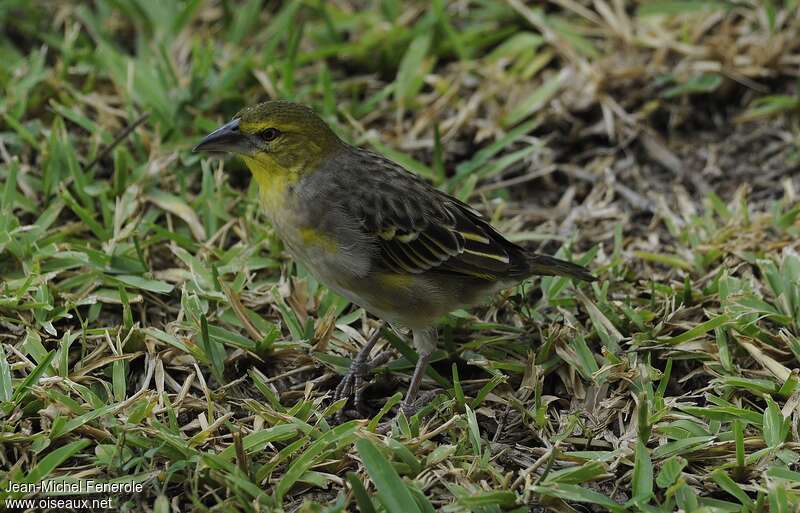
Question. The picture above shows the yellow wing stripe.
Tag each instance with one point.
(500, 258)
(475, 237)
(408, 237)
(430, 263)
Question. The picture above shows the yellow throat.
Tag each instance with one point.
(273, 181)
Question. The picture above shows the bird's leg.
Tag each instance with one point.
(353, 381)
(424, 343)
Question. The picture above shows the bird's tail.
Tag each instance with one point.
(544, 265)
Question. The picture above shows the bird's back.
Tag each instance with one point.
(419, 228)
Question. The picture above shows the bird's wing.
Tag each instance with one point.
(421, 229)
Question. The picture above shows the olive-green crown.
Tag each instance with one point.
(288, 117)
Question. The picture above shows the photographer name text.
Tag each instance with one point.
(84, 486)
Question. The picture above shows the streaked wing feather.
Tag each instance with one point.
(420, 229)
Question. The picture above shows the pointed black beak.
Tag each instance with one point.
(226, 138)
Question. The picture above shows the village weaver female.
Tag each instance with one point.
(373, 232)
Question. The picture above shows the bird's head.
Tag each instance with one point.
(275, 137)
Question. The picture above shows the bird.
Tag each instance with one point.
(372, 231)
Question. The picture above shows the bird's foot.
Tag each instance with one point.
(409, 409)
(353, 383)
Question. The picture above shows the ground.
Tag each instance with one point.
(152, 327)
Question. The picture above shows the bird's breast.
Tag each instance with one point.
(328, 243)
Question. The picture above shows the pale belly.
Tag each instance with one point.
(348, 274)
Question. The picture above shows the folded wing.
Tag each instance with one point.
(420, 229)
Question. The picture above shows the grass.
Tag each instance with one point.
(153, 329)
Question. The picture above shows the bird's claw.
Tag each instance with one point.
(353, 382)
(408, 409)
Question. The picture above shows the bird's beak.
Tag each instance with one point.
(227, 138)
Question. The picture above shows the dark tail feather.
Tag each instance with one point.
(544, 265)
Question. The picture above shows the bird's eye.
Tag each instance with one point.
(270, 134)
